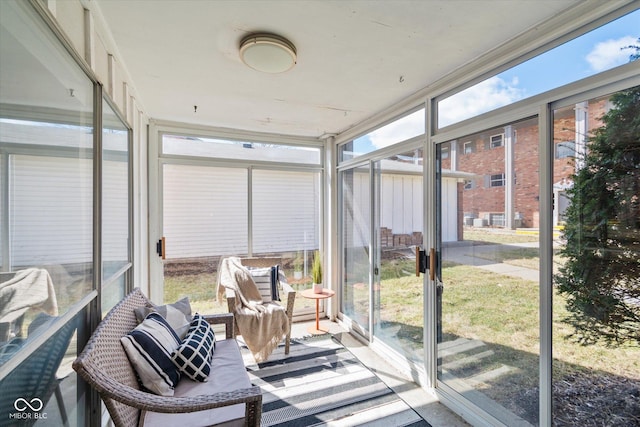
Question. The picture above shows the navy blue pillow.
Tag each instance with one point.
(149, 347)
(275, 276)
(193, 356)
(266, 279)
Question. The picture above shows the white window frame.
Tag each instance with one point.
(494, 142)
(467, 147)
(497, 180)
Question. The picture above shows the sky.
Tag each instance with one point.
(594, 52)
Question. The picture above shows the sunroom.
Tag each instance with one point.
(432, 154)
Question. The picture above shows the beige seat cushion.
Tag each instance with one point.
(227, 374)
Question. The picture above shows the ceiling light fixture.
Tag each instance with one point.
(268, 53)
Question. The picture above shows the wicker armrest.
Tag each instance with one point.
(226, 319)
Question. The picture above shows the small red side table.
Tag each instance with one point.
(326, 293)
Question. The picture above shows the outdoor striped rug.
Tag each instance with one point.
(320, 382)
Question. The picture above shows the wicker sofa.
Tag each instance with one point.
(227, 398)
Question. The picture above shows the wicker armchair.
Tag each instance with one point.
(104, 365)
(258, 262)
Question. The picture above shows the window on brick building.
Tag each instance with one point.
(497, 141)
(467, 147)
(496, 180)
(444, 153)
(469, 184)
(565, 149)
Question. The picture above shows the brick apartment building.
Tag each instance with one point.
(504, 165)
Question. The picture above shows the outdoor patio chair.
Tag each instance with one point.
(257, 262)
(36, 377)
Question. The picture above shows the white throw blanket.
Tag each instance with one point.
(30, 288)
(262, 325)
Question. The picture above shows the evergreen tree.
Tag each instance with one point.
(601, 276)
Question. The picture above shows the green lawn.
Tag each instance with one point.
(499, 311)
(477, 304)
(504, 311)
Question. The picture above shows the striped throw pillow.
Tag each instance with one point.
(266, 279)
(149, 347)
(178, 315)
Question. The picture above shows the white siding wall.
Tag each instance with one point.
(51, 200)
(115, 211)
(449, 209)
(205, 211)
(285, 211)
(401, 203)
(360, 223)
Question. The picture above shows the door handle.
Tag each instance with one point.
(432, 264)
(426, 262)
(419, 261)
(161, 248)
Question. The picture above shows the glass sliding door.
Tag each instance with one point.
(397, 291)
(488, 273)
(47, 201)
(356, 247)
(382, 222)
(596, 315)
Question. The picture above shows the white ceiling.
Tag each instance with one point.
(355, 58)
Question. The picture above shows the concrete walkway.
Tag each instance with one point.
(470, 253)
